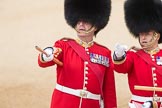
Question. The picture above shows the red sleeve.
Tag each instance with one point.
(126, 65)
(109, 90)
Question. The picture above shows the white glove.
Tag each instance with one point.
(49, 51)
(120, 50)
(146, 104)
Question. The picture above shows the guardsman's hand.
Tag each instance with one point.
(147, 104)
(120, 50)
(49, 54)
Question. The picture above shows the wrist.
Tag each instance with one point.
(115, 58)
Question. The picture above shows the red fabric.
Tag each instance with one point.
(146, 58)
(94, 67)
(140, 73)
(72, 75)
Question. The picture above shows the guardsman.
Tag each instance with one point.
(143, 66)
(85, 77)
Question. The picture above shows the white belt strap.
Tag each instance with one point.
(78, 92)
(144, 99)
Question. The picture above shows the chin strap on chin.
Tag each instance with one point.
(87, 31)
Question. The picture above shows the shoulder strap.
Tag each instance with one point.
(147, 59)
(81, 52)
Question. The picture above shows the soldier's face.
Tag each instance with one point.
(85, 29)
(83, 26)
(148, 38)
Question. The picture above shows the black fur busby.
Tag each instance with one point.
(96, 12)
(143, 16)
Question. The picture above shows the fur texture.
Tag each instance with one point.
(96, 12)
(143, 16)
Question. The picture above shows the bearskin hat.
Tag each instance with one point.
(143, 16)
(96, 12)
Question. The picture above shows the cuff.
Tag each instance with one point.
(119, 60)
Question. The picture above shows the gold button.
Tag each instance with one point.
(83, 93)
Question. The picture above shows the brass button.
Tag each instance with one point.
(83, 93)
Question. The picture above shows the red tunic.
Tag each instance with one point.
(72, 75)
(141, 73)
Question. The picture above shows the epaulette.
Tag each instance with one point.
(101, 45)
(66, 39)
(134, 49)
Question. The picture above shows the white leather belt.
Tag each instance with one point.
(144, 99)
(78, 92)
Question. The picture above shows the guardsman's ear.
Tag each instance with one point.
(95, 28)
(158, 35)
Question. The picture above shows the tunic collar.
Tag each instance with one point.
(154, 51)
(84, 44)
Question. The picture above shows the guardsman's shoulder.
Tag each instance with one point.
(66, 39)
(102, 46)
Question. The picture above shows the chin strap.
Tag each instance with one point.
(87, 31)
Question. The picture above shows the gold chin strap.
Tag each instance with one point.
(87, 31)
(151, 43)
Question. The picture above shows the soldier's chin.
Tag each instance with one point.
(82, 34)
(81, 31)
(144, 45)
